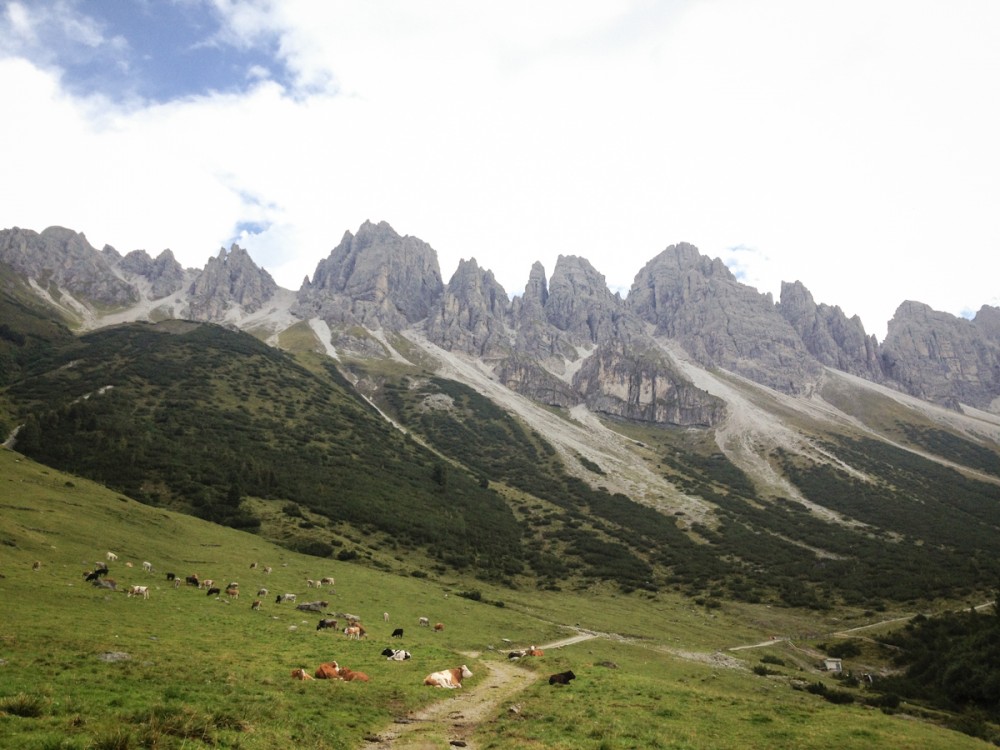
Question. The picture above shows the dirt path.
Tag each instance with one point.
(454, 719)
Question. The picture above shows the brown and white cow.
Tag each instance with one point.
(328, 671)
(448, 678)
(349, 675)
(142, 591)
(301, 674)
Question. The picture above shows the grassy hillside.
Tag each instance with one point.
(82, 667)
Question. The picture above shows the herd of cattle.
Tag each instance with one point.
(353, 629)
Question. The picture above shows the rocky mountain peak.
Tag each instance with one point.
(376, 278)
(65, 258)
(227, 279)
(719, 321)
(828, 334)
(164, 274)
(470, 314)
(579, 301)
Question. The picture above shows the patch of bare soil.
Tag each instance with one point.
(453, 721)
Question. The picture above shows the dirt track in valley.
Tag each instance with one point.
(456, 718)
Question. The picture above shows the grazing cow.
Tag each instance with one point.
(267, 569)
(438, 627)
(192, 581)
(284, 598)
(395, 654)
(562, 678)
(328, 671)
(328, 580)
(256, 604)
(177, 583)
(111, 556)
(397, 633)
(354, 632)
(36, 565)
(253, 565)
(349, 675)
(214, 591)
(233, 592)
(300, 674)
(142, 591)
(448, 678)
(207, 583)
(93, 575)
(424, 622)
(171, 577)
(147, 566)
(385, 617)
(310, 583)
(326, 623)
(262, 593)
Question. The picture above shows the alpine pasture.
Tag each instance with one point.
(90, 668)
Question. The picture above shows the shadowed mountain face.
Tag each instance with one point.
(695, 435)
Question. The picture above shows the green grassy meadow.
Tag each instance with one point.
(87, 668)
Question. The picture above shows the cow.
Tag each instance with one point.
(326, 623)
(301, 674)
(395, 654)
(310, 583)
(562, 678)
(327, 580)
(424, 622)
(284, 598)
(516, 654)
(233, 592)
(267, 569)
(207, 583)
(256, 604)
(177, 583)
(448, 678)
(385, 617)
(192, 581)
(94, 575)
(111, 556)
(253, 565)
(171, 577)
(354, 632)
(147, 566)
(142, 591)
(128, 564)
(262, 593)
(214, 591)
(438, 627)
(328, 671)
(36, 565)
(534, 652)
(349, 675)
(397, 633)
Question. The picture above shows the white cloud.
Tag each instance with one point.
(847, 145)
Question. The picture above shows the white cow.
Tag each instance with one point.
(448, 678)
(142, 591)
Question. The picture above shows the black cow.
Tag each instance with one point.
(326, 623)
(171, 576)
(397, 633)
(214, 591)
(192, 581)
(562, 678)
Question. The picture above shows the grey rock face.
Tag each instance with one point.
(64, 258)
(470, 314)
(227, 279)
(828, 334)
(720, 322)
(165, 274)
(941, 358)
(642, 384)
(376, 278)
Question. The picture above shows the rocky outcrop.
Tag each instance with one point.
(829, 335)
(377, 279)
(470, 314)
(227, 279)
(642, 384)
(61, 259)
(720, 322)
(526, 376)
(165, 275)
(938, 357)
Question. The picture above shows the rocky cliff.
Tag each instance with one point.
(229, 278)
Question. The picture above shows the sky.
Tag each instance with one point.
(852, 145)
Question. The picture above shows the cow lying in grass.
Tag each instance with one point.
(395, 654)
(448, 678)
(562, 678)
